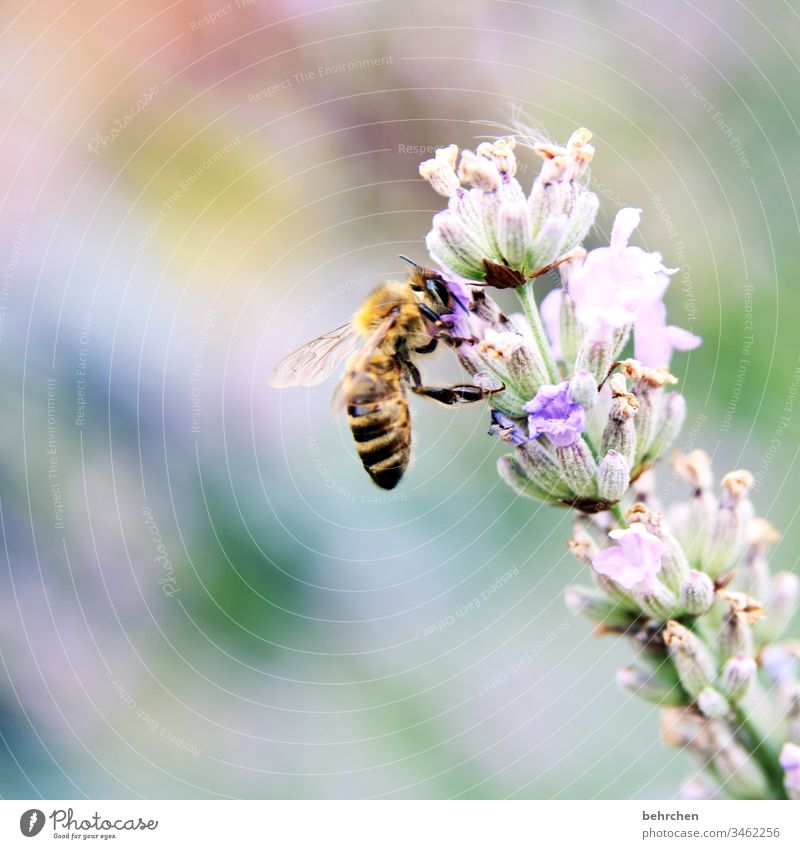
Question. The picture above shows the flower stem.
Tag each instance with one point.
(761, 752)
(618, 513)
(526, 295)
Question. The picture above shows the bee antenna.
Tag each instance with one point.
(410, 261)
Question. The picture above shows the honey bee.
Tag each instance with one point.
(397, 321)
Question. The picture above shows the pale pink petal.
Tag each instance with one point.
(625, 223)
(550, 310)
(635, 561)
(682, 340)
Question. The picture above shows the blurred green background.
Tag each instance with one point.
(201, 594)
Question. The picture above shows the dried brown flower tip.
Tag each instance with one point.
(654, 378)
(743, 604)
(738, 483)
(760, 532)
(694, 467)
(626, 402)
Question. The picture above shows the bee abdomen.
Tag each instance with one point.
(382, 434)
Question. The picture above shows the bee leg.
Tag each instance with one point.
(442, 330)
(432, 316)
(429, 348)
(463, 393)
(412, 374)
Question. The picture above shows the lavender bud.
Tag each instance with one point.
(565, 164)
(508, 357)
(597, 607)
(648, 384)
(620, 431)
(692, 659)
(656, 600)
(440, 172)
(691, 521)
(697, 593)
(582, 215)
(490, 204)
(513, 474)
(513, 233)
(466, 206)
(753, 577)
(501, 153)
(450, 243)
(613, 477)
(673, 415)
(649, 687)
(645, 423)
(736, 635)
(548, 243)
(738, 674)
(618, 339)
(478, 171)
(730, 523)
(712, 703)
(583, 389)
(595, 357)
(572, 331)
(542, 468)
(781, 605)
(578, 468)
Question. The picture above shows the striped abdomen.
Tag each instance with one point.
(377, 411)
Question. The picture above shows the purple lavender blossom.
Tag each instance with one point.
(635, 561)
(506, 429)
(459, 320)
(552, 413)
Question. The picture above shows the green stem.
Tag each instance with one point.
(762, 753)
(618, 513)
(525, 293)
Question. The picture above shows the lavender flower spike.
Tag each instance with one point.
(687, 583)
(551, 413)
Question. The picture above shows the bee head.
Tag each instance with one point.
(431, 283)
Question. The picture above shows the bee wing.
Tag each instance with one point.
(361, 361)
(316, 360)
(337, 401)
